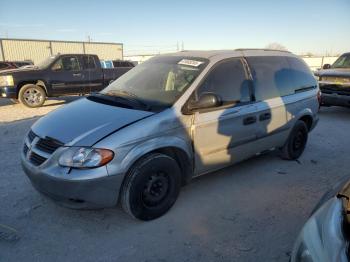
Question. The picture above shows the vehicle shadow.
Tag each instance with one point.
(54, 101)
(10, 112)
(335, 110)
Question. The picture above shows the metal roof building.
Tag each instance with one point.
(38, 50)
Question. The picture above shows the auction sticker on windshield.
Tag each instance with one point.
(189, 62)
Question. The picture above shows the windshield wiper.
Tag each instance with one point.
(120, 92)
(127, 95)
(109, 100)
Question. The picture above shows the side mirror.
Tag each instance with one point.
(326, 66)
(206, 100)
(57, 67)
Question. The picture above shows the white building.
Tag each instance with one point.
(38, 50)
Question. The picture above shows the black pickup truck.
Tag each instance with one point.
(334, 81)
(63, 74)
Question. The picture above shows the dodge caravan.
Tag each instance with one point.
(170, 119)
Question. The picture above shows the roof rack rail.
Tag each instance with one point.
(261, 49)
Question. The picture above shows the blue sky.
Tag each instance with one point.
(147, 26)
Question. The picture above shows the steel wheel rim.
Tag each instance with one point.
(299, 141)
(32, 96)
(156, 189)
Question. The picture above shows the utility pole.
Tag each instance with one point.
(182, 46)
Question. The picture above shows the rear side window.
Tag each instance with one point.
(122, 64)
(227, 80)
(129, 64)
(272, 76)
(302, 76)
(116, 64)
(89, 62)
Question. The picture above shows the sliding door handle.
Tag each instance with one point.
(265, 116)
(249, 120)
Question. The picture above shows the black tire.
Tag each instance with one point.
(151, 187)
(32, 95)
(296, 141)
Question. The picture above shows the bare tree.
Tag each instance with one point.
(276, 46)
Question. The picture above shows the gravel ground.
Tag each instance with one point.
(248, 212)
(10, 112)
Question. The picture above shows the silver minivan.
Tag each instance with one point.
(170, 119)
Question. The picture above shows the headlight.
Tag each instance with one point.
(302, 254)
(6, 80)
(322, 235)
(85, 157)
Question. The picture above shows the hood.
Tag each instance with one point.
(19, 70)
(338, 72)
(84, 122)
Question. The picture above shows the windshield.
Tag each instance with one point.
(46, 62)
(159, 82)
(342, 62)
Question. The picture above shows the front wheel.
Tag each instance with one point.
(32, 95)
(151, 187)
(296, 142)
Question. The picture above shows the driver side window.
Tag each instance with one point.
(228, 81)
(66, 63)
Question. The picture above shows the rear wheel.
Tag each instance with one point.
(151, 187)
(296, 142)
(32, 95)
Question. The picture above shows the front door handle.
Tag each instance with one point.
(265, 116)
(249, 120)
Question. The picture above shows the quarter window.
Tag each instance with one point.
(228, 81)
(272, 76)
(302, 76)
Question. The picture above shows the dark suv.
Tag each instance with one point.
(334, 81)
(62, 74)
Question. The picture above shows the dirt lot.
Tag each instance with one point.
(249, 212)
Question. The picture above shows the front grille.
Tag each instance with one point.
(25, 149)
(336, 79)
(333, 89)
(48, 145)
(36, 159)
(31, 136)
(41, 146)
